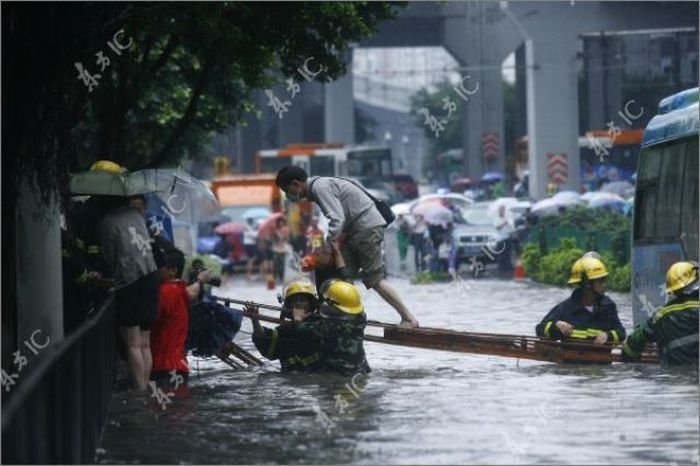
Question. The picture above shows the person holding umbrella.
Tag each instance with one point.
(355, 229)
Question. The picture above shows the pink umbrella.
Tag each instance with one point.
(229, 228)
(268, 226)
(434, 213)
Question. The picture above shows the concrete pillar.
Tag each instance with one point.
(339, 108)
(520, 93)
(480, 36)
(484, 115)
(39, 280)
(552, 94)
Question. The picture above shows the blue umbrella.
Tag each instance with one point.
(492, 177)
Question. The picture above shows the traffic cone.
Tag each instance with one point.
(270, 281)
(519, 271)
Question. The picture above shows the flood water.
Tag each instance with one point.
(421, 406)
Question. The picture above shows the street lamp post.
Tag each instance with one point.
(404, 142)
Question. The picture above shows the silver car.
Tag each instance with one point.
(476, 237)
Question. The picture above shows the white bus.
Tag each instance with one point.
(665, 224)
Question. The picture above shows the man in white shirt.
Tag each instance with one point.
(505, 228)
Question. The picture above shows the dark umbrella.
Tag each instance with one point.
(492, 177)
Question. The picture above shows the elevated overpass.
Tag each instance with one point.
(546, 39)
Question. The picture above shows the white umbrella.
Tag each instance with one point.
(185, 198)
(588, 195)
(434, 213)
(621, 188)
(550, 206)
(567, 196)
(607, 200)
(402, 208)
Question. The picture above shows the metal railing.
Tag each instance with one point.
(58, 413)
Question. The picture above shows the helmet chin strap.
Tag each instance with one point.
(588, 285)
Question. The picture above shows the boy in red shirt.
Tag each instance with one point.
(169, 332)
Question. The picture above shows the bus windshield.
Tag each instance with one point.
(370, 164)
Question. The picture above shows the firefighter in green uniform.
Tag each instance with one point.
(330, 339)
(674, 327)
(340, 329)
(294, 351)
(588, 314)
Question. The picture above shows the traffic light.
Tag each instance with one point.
(221, 166)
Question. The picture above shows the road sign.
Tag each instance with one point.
(489, 145)
(557, 168)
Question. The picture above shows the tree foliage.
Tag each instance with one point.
(190, 73)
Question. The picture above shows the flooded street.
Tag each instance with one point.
(420, 406)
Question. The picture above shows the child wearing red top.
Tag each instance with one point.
(169, 332)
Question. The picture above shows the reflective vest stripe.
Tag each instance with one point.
(586, 333)
(616, 337)
(547, 327)
(686, 306)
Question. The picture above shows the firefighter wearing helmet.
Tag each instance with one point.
(674, 327)
(588, 314)
(340, 329)
(286, 343)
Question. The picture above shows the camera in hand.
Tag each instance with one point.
(197, 268)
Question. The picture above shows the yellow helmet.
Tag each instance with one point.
(107, 166)
(592, 268)
(299, 287)
(344, 296)
(680, 275)
(576, 270)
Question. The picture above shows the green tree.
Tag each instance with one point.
(189, 73)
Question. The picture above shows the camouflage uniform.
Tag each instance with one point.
(340, 336)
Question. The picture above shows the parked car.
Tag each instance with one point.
(476, 237)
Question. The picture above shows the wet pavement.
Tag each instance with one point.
(420, 406)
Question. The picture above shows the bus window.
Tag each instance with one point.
(322, 165)
(668, 203)
(342, 168)
(689, 209)
(647, 184)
